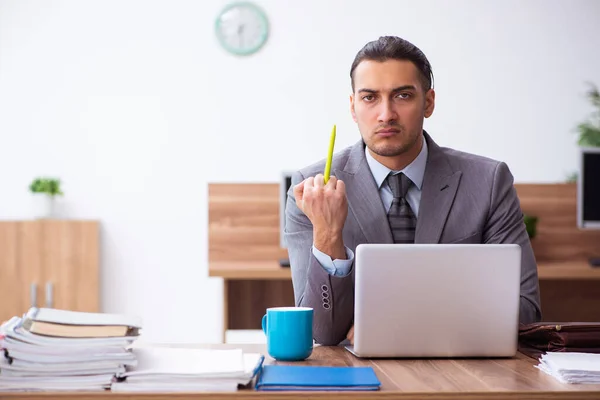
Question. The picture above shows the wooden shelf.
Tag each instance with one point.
(249, 270)
(578, 270)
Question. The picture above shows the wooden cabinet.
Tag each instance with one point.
(244, 249)
(48, 263)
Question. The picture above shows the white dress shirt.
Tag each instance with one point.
(414, 171)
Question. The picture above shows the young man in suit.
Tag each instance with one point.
(396, 185)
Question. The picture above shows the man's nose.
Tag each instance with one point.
(387, 112)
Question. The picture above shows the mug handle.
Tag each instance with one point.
(264, 324)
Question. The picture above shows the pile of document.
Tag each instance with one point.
(571, 367)
(167, 369)
(60, 350)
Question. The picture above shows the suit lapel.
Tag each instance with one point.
(363, 197)
(440, 184)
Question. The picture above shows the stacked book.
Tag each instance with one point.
(60, 350)
(165, 369)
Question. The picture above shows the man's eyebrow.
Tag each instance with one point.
(397, 89)
(404, 87)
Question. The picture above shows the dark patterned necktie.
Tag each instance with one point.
(403, 221)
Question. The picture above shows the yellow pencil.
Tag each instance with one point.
(330, 155)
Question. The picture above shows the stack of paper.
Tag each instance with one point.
(90, 352)
(571, 367)
(165, 369)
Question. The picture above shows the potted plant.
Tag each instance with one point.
(530, 225)
(44, 191)
(589, 131)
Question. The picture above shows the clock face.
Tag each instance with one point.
(242, 28)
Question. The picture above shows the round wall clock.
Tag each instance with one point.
(242, 28)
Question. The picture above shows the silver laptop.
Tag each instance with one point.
(436, 300)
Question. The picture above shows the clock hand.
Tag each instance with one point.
(240, 32)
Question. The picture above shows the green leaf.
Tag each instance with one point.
(50, 186)
(589, 135)
(589, 131)
(594, 96)
(530, 225)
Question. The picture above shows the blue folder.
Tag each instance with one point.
(300, 377)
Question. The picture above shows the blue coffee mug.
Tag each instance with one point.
(289, 332)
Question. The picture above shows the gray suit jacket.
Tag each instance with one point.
(465, 199)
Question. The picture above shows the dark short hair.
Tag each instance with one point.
(394, 48)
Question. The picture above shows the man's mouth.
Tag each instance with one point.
(387, 132)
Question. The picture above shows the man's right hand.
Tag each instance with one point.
(326, 207)
(350, 335)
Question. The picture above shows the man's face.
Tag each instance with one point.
(389, 105)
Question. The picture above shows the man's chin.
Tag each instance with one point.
(391, 146)
(387, 149)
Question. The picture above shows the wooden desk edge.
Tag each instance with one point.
(520, 395)
(330, 355)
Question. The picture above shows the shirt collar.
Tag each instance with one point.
(415, 171)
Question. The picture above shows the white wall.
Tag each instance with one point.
(134, 105)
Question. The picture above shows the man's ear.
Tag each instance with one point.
(352, 107)
(429, 102)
